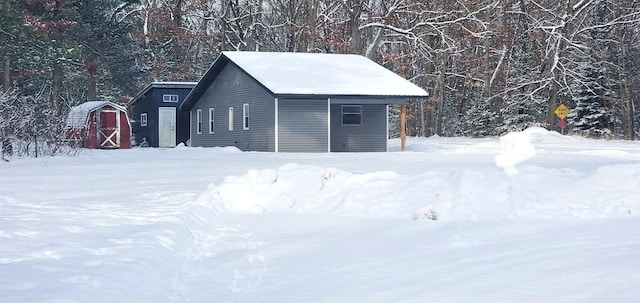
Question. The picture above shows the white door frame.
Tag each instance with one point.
(114, 138)
(173, 126)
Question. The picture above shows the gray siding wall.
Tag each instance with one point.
(233, 88)
(302, 125)
(371, 136)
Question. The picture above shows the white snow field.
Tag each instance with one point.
(530, 217)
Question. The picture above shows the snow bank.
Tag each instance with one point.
(534, 193)
(515, 188)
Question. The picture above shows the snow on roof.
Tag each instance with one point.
(323, 74)
(172, 83)
(78, 115)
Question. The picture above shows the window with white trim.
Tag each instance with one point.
(143, 119)
(245, 116)
(230, 118)
(170, 98)
(352, 115)
(212, 125)
(199, 121)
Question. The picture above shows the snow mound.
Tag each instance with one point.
(466, 195)
(517, 147)
(302, 188)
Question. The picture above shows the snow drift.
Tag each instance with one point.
(530, 192)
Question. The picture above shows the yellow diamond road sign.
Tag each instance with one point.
(562, 111)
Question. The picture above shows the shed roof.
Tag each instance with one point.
(169, 84)
(312, 74)
(78, 115)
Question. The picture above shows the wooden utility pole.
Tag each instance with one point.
(403, 126)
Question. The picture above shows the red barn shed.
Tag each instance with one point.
(99, 124)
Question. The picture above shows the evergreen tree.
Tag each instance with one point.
(524, 107)
(481, 120)
(589, 115)
(103, 29)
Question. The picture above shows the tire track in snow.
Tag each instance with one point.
(223, 257)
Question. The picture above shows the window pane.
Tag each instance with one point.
(211, 121)
(351, 114)
(245, 116)
(199, 121)
(352, 109)
(169, 98)
(352, 119)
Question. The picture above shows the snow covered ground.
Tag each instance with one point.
(530, 217)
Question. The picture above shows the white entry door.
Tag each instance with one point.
(167, 127)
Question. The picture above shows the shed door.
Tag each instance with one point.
(303, 126)
(109, 128)
(167, 127)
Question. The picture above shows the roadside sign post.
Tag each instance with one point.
(562, 124)
(562, 112)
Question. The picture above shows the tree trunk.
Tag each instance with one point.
(311, 20)
(559, 54)
(6, 74)
(177, 15)
(354, 11)
(56, 85)
(629, 126)
(92, 75)
(553, 102)
(7, 148)
(441, 91)
(486, 90)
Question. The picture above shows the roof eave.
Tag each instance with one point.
(348, 96)
(211, 74)
(204, 82)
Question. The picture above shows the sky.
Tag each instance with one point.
(529, 217)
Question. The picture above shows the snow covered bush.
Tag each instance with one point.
(28, 127)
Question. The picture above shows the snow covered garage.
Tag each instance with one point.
(295, 102)
(99, 124)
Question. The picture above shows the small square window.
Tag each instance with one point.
(352, 115)
(170, 98)
(143, 119)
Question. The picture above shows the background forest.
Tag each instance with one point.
(490, 66)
